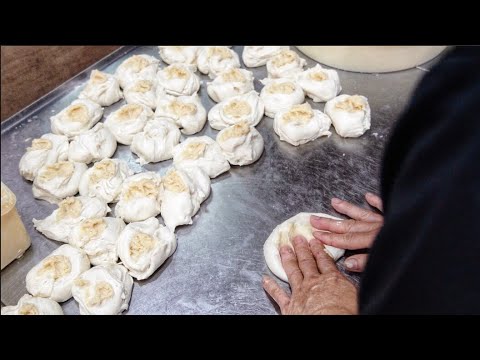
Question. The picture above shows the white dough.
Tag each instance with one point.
(143, 92)
(201, 151)
(76, 118)
(92, 145)
(53, 277)
(284, 233)
(140, 197)
(247, 107)
(212, 60)
(98, 238)
(241, 143)
(156, 142)
(285, 64)
(280, 95)
(301, 124)
(230, 82)
(71, 211)
(255, 56)
(144, 246)
(136, 67)
(178, 54)
(320, 84)
(57, 181)
(350, 114)
(127, 121)
(103, 290)
(102, 88)
(179, 79)
(31, 305)
(46, 150)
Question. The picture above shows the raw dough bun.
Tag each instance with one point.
(144, 246)
(127, 121)
(187, 112)
(247, 107)
(301, 124)
(102, 88)
(284, 233)
(93, 145)
(31, 305)
(57, 181)
(212, 60)
(184, 191)
(53, 277)
(143, 92)
(320, 84)
(201, 151)
(156, 142)
(241, 143)
(255, 56)
(136, 67)
(280, 95)
(76, 118)
(103, 290)
(98, 238)
(286, 64)
(350, 114)
(178, 54)
(179, 79)
(71, 211)
(104, 179)
(46, 150)
(140, 197)
(231, 82)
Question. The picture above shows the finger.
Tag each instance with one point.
(355, 212)
(374, 200)
(342, 226)
(351, 241)
(324, 262)
(290, 265)
(276, 292)
(306, 261)
(356, 263)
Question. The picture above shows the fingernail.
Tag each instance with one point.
(297, 240)
(265, 279)
(285, 249)
(351, 263)
(336, 201)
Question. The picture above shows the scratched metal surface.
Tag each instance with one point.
(218, 265)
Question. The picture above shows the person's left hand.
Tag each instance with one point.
(318, 288)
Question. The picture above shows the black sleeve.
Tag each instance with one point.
(426, 258)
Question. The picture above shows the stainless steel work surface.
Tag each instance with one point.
(218, 265)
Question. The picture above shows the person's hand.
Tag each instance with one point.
(318, 288)
(359, 232)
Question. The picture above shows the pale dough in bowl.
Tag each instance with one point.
(284, 233)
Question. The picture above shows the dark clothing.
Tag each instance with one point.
(426, 258)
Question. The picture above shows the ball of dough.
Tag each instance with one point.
(284, 233)
(127, 121)
(241, 143)
(187, 112)
(320, 84)
(144, 246)
(184, 191)
(136, 67)
(98, 238)
(285, 64)
(143, 92)
(179, 79)
(76, 118)
(230, 82)
(31, 305)
(57, 181)
(92, 145)
(71, 211)
(140, 197)
(280, 95)
(46, 150)
(103, 290)
(203, 152)
(247, 107)
(178, 54)
(255, 56)
(102, 88)
(156, 142)
(301, 124)
(350, 114)
(53, 277)
(212, 60)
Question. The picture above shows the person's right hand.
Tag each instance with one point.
(359, 232)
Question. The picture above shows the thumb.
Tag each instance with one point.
(356, 263)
